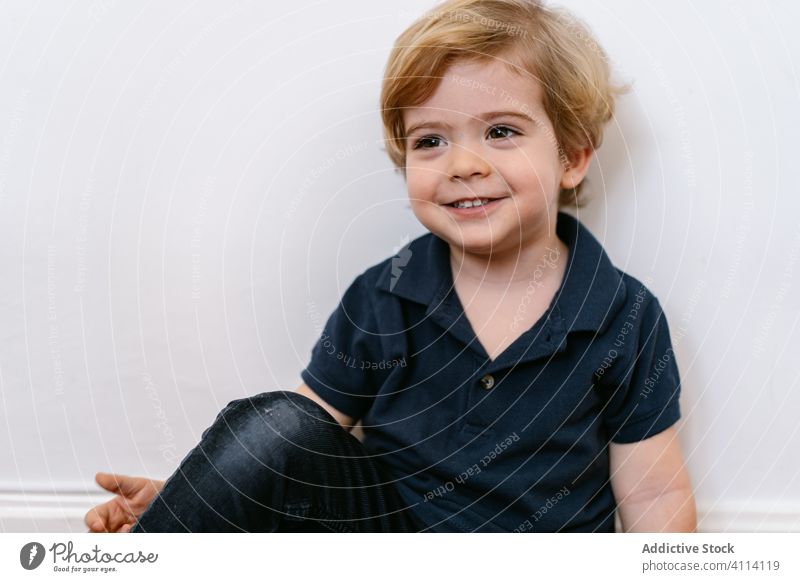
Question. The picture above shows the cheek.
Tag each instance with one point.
(524, 174)
(420, 183)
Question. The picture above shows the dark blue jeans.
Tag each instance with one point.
(277, 462)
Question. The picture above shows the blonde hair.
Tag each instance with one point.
(549, 44)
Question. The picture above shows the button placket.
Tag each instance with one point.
(475, 421)
(476, 391)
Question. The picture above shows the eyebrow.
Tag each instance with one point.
(485, 117)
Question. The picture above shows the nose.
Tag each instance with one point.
(465, 163)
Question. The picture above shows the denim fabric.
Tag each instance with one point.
(277, 462)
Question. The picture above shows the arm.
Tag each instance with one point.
(346, 421)
(651, 485)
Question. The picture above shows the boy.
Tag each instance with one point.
(507, 376)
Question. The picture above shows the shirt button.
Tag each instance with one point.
(487, 381)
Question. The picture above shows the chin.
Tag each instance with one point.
(479, 241)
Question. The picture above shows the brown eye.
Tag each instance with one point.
(502, 131)
(427, 142)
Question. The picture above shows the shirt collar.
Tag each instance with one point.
(590, 295)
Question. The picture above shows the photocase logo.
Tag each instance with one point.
(67, 559)
(400, 260)
(31, 555)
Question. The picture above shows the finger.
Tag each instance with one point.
(126, 528)
(110, 516)
(96, 518)
(119, 516)
(98, 527)
(116, 483)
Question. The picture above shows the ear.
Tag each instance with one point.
(578, 166)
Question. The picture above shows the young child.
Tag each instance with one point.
(507, 376)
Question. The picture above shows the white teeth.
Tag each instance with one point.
(470, 203)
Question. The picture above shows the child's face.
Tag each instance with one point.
(455, 150)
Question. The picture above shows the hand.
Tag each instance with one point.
(121, 512)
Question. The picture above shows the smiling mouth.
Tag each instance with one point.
(467, 203)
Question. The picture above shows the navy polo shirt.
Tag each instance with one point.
(511, 445)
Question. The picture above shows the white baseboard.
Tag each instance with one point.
(748, 516)
(63, 512)
(46, 512)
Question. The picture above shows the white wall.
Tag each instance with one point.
(186, 189)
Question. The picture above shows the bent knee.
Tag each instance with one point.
(280, 415)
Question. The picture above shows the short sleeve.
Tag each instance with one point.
(644, 400)
(345, 361)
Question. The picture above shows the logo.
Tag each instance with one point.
(402, 256)
(31, 555)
